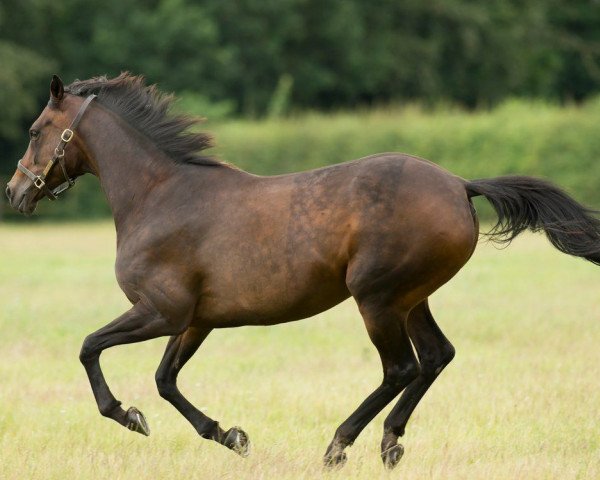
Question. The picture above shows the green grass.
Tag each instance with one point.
(521, 399)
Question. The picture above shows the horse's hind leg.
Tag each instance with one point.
(179, 350)
(434, 352)
(386, 325)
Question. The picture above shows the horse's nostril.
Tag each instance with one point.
(8, 192)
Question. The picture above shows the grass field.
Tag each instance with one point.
(521, 399)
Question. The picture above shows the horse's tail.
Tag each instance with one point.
(529, 203)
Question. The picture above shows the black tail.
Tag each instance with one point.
(529, 203)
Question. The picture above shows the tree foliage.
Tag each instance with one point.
(256, 57)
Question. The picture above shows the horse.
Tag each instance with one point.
(203, 245)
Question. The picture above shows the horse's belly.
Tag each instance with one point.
(274, 303)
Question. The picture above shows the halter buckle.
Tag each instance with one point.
(39, 182)
(59, 153)
(67, 135)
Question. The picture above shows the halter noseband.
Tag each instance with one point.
(39, 181)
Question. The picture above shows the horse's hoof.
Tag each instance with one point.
(392, 456)
(237, 440)
(136, 422)
(335, 459)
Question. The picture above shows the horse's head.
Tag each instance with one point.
(54, 157)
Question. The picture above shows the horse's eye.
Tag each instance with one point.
(34, 134)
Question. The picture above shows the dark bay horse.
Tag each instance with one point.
(204, 245)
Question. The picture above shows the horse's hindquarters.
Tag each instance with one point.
(418, 241)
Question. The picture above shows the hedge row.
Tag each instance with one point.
(558, 143)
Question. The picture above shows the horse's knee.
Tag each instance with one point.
(88, 350)
(165, 384)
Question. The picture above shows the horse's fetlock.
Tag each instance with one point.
(344, 437)
(108, 410)
(210, 430)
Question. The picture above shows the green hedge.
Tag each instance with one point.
(562, 144)
(558, 143)
(532, 138)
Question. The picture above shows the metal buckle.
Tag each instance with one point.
(39, 182)
(61, 154)
(67, 135)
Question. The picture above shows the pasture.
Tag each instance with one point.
(520, 400)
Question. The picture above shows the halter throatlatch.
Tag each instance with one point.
(39, 181)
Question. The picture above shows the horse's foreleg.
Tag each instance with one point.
(138, 324)
(387, 329)
(179, 350)
(435, 352)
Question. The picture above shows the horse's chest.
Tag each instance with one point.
(128, 283)
(132, 272)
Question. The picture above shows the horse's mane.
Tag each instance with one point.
(147, 109)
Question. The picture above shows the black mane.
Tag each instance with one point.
(147, 109)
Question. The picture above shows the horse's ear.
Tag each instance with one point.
(57, 89)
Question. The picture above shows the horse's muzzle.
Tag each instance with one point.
(22, 201)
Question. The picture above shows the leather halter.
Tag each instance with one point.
(39, 181)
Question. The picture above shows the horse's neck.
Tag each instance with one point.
(130, 168)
